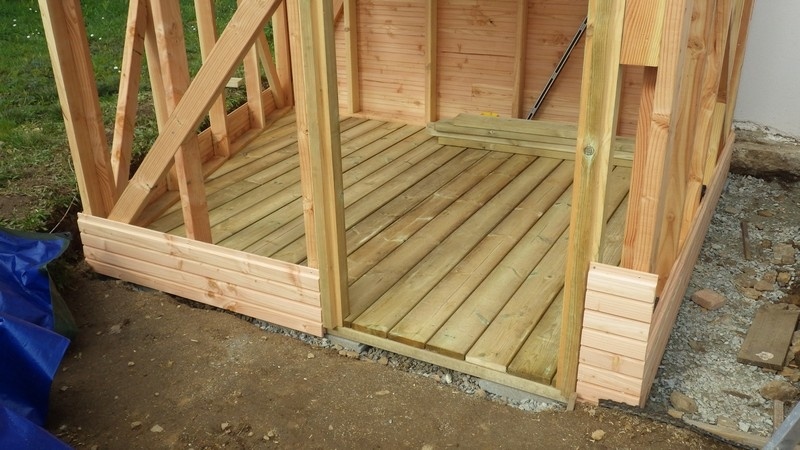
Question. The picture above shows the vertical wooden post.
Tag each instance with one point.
(77, 92)
(302, 118)
(283, 59)
(217, 116)
(600, 90)
(707, 85)
(322, 143)
(252, 82)
(737, 46)
(431, 61)
(351, 45)
(684, 181)
(520, 55)
(127, 103)
(655, 134)
(175, 73)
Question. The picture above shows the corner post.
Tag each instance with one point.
(77, 91)
(600, 90)
(319, 144)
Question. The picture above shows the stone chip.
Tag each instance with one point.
(708, 299)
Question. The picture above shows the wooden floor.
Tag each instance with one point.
(456, 250)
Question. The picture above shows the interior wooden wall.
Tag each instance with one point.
(476, 47)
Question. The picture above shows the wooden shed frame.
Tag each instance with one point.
(673, 66)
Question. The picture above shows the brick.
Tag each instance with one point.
(708, 299)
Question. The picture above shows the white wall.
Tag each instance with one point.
(769, 93)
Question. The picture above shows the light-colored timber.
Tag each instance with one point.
(428, 219)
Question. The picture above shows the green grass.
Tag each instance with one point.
(37, 182)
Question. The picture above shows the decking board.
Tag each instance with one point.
(438, 305)
(404, 295)
(370, 286)
(445, 243)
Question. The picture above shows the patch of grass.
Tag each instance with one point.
(36, 175)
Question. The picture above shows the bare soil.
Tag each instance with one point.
(150, 371)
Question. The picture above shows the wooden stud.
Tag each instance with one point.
(714, 140)
(666, 311)
(658, 115)
(520, 54)
(306, 182)
(175, 71)
(247, 21)
(596, 133)
(641, 37)
(737, 46)
(323, 142)
(283, 62)
(351, 56)
(252, 83)
(703, 123)
(687, 163)
(218, 117)
(431, 61)
(77, 92)
(130, 75)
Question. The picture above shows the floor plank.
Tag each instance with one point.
(502, 339)
(417, 207)
(391, 269)
(393, 305)
(296, 252)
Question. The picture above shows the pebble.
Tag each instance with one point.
(672, 412)
(708, 299)
(779, 390)
(783, 254)
(224, 426)
(135, 425)
(383, 361)
(157, 429)
(764, 286)
(598, 435)
(750, 293)
(310, 355)
(683, 402)
(783, 278)
(131, 363)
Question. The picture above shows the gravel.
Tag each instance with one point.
(700, 360)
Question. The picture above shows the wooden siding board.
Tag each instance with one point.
(303, 277)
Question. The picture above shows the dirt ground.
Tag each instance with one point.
(149, 371)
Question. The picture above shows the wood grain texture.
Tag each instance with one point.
(654, 142)
(769, 336)
(667, 309)
(127, 102)
(77, 92)
(324, 149)
(596, 132)
(641, 38)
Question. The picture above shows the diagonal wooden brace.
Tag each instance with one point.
(235, 41)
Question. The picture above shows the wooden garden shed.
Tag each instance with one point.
(382, 183)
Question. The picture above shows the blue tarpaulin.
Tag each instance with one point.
(30, 349)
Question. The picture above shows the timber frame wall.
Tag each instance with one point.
(663, 71)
